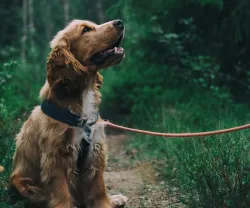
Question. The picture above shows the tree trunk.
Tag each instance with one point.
(66, 11)
(31, 24)
(100, 13)
(24, 35)
(49, 22)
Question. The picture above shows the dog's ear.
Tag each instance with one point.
(61, 56)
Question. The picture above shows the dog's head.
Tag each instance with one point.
(88, 46)
(78, 52)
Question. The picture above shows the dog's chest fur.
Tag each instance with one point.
(89, 111)
(79, 134)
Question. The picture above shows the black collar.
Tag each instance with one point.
(64, 115)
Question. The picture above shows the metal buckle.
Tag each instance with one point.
(81, 123)
(95, 120)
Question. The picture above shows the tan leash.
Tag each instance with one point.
(198, 134)
(167, 135)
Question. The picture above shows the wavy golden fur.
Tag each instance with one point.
(44, 166)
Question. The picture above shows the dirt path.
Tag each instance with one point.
(137, 181)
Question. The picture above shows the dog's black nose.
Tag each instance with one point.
(118, 23)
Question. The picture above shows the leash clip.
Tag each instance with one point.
(81, 122)
(95, 120)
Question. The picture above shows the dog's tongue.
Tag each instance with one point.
(100, 57)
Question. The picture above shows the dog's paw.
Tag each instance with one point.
(118, 201)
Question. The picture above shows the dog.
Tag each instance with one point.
(60, 152)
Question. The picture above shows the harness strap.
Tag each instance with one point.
(83, 153)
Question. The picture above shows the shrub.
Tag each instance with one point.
(19, 87)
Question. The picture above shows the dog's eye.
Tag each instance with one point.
(86, 29)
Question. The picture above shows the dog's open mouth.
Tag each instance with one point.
(100, 57)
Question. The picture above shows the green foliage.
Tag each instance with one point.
(204, 172)
(214, 172)
(19, 88)
(179, 76)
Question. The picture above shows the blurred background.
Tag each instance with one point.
(186, 69)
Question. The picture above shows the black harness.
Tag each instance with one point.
(67, 117)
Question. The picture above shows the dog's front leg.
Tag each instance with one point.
(55, 181)
(93, 186)
(92, 181)
(99, 197)
(58, 191)
(57, 169)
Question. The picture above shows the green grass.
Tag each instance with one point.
(208, 172)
